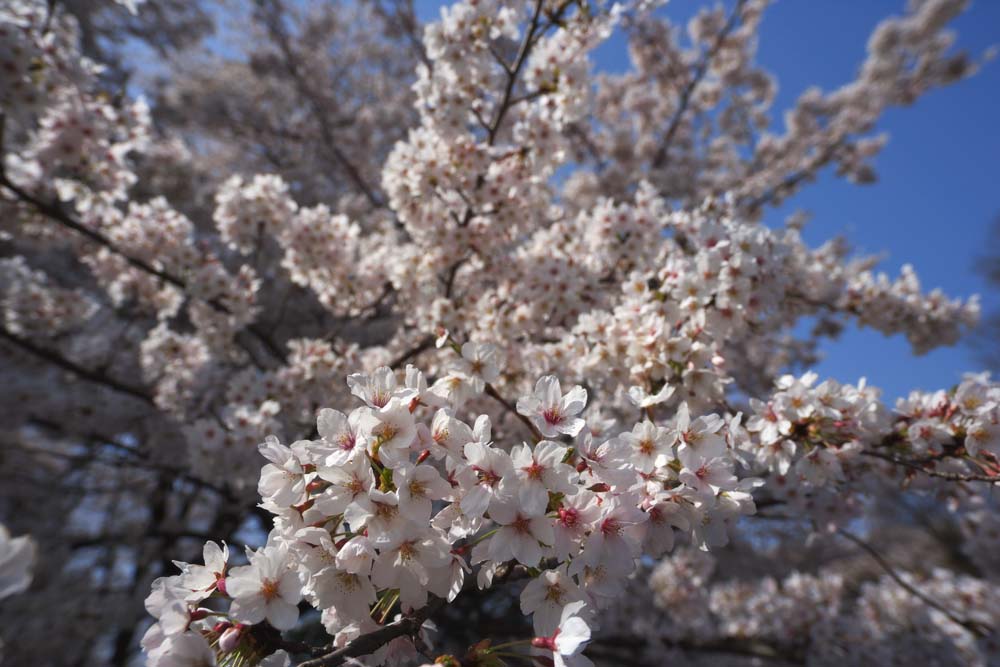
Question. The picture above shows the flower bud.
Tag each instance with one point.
(230, 639)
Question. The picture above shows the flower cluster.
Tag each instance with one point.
(614, 325)
(400, 499)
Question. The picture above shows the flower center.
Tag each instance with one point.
(553, 416)
(269, 589)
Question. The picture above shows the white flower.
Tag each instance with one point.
(341, 433)
(706, 475)
(407, 560)
(576, 517)
(378, 511)
(486, 473)
(641, 399)
(449, 434)
(348, 482)
(201, 580)
(376, 389)
(545, 596)
(390, 431)
(416, 487)
(356, 555)
(350, 594)
(282, 481)
(480, 364)
(616, 538)
(189, 649)
(702, 434)
(569, 638)
(552, 412)
(521, 535)
(267, 588)
(649, 444)
(539, 471)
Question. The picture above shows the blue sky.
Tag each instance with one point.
(938, 187)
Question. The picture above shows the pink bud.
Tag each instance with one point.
(548, 643)
(230, 639)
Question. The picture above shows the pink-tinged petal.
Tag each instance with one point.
(281, 614)
(575, 400)
(242, 582)
(572, 426)
(573, 634)
(534, 498)
(290, 587)
(249, 610)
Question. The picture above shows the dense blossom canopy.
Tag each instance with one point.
(401, 344)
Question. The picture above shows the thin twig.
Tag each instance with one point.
(972, 626)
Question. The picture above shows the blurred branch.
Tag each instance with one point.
(91, 376)
(975, 628)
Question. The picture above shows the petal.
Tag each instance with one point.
(281, 614)
(248, 610)
(575, 400)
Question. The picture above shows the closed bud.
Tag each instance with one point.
(230, 639)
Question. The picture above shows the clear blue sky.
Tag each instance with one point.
(939, 176)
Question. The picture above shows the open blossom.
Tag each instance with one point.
(521, 536)
(201, 580)
(648, 443)
(641, 399)
(553, 412)
(418, 486)
(375, 389)
(341, 433)
(480, 363)
(189, 649)
(569, 638)
(283, 480)
(390, 431)
(266, 589)
(487, 477)
(540, 470)
(707, 475)
(545, 596)
(408, 560)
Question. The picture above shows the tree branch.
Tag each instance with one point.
(975, 628)
(371, 642)
(950, 476)
(662, 153)
(81, 372)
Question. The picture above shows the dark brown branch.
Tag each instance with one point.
(425, 344)
(272, 13)
(950, 476)
(495, 395)
(371, 642)
(513, 71)
(55, 212)
(662, 153)
(91, 376)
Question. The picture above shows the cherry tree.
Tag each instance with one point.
(370, 342)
